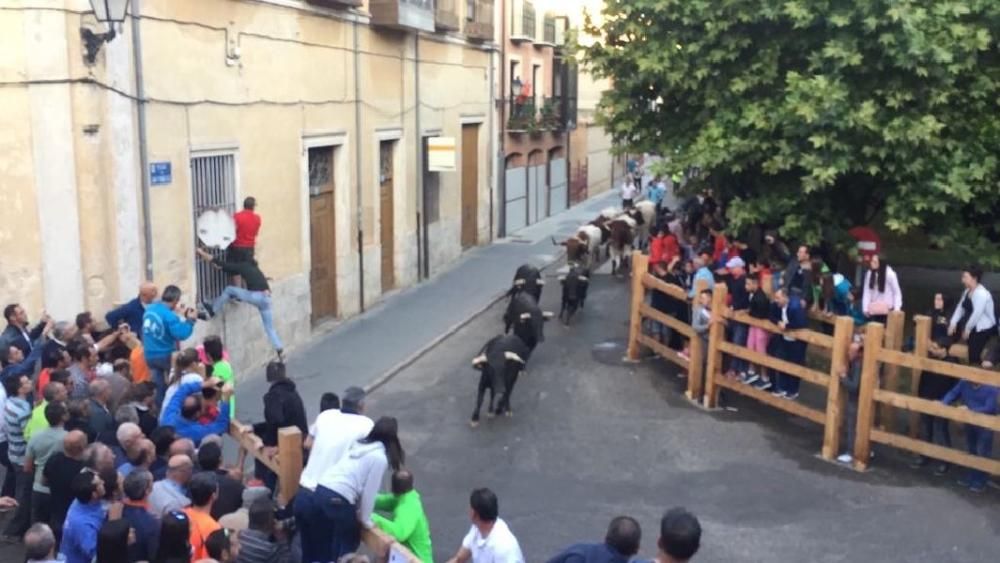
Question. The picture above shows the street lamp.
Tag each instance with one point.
(110, 12)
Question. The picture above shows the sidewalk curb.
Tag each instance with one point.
(394, 370)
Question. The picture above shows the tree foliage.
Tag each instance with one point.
(815, 115)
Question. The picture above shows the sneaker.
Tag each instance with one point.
(964, 483)
(762, 384)
(845, 458)
(977, 488)
(778, 393)
(941, 469)
(790, 396)
(750, 378)
(918, 462)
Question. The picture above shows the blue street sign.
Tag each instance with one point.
(160, 173)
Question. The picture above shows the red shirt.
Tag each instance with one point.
(721, 245)
(247, 227)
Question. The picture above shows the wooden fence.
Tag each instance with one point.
(880, 397)
(286, 463)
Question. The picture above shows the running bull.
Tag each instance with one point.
(528, 279)
(500, 363)
(574, 292)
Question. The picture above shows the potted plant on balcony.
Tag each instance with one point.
(550, 116)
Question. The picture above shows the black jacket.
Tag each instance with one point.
(282, 407)
(12, 336)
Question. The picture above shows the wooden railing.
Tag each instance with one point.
(286, 463)
(882, 362)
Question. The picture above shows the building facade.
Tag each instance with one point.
(325, 111)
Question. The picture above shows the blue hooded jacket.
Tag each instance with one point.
(161, 330)
(193, 429)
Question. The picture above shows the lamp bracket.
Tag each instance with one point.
(92, 43)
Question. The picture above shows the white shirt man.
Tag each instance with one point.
(629, 191)
(500, 546)
(332, 434)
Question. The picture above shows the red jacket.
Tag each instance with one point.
(663, 249)
(247, 227)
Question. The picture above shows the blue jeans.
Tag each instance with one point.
(980, 443)
(315, 546)
(259, 299)
(794, 352)
(159, 369)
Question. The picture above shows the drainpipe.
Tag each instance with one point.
(140, 106)
(357, 162)
(420, 159)
(492, 141)
(502, 153)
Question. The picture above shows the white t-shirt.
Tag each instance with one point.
(172, 390)
(332, 434)
(629, 191)
(499, 547)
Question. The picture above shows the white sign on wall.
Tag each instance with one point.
(441, 154)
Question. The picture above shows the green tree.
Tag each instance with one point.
(815, 115)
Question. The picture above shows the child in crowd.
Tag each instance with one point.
(739, 301)
(701, 320)
(757, 338)
(981, 399)
(934, 387)
(939, 317)
(216, 357)
(851, 380)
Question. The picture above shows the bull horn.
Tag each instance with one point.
(518, 283)
(562, 278)
(540, 282)
(563, 243)
(583, 278)
(479, 360)
(513, 357)
(525, 316)
(548, 315)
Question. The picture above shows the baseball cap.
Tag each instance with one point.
(735, 262)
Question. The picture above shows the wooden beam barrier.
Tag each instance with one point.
(640, 265)
(649, 281)
(874, 334)
(805, 335)
(938, 409)
(893, 341)
(921, 342)
(648, 312)
(792, 407)
(957, 371)
(716, 338)
(836, 398)
(935, 451)
(770, 362)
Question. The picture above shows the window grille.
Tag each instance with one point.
(213, 186)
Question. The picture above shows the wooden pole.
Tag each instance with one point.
(640, 265)
(696, 349)
(716, 334)
(921, 342)
(874, 333)
(289, 463)
(843, 329)
(893, 341)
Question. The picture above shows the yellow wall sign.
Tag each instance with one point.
(441, 154)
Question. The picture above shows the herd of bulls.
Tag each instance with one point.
(503, 359)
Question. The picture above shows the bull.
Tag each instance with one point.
(527, 279)
(584, 246)
(527, 319)
(644, 214)
(574, 292)
(500, 362)
(622, 235)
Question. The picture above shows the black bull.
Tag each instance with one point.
(527, 279)
(526, 318)
(574, 292)
(500, 362)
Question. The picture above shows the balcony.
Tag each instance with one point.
(446, 15)
(479, 20)
(522, 28)
(526, 118)
(336, 3)
(548, 31)
(406, 15)
(522, 117)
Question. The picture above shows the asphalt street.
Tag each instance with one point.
(592, 438)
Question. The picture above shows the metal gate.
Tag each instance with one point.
(213, 186)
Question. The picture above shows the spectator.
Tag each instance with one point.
(655, 192)
(333, 433)
(758, 338)
(82, 370)
(14, 363)
(85, 325)
(137, 487)
(84, 519)
(102, 424)
(981, 399)
(774, 250)
(141, 398)
(792, 317)
(680, 537)
(799, 274)
(169, 494)
(99, 457)
(113, 542)
(187, 369)
(79, 418)
(282, 407)
(131, 313)
(851, 380)
(162, 331)
(629, 191)
(621, 543)
(720, 246)
(17, 332)
(259, 542)
(175, 536)
(142, 456)
(204, 489)
(230, 490)
(345, 497)
(328, 401)
(136, 357)
(17, 411)
(128, 437)
(53, 361)
(59, 472)
(702, 273)
(247, 227)
(54, 392)
(218, 547)
(940, 321)
(701, 320)
(118, 379)
(163, 437)
(489, 539)
(662, 302)
(40, 544)
(239, 520)
(41, 448)
(221, 368)
(974, 319)
(407, 522)
(184, 447)
(933, 387)
(7, 488)
(881, 293)
(184, 409)
(739, 301)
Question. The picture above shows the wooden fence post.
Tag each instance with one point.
(640, 265)
(289, 463)
(921, 342)
(716, 335)
(843, 330)
(893, 341)
(874, 334)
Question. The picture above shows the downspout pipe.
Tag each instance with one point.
(502, 115)
(140, 107)
(357, 164)
(420, 159)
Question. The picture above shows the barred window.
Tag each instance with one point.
(213, 186)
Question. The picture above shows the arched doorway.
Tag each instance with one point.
(557, 181)
(515, 194)
(537, 192)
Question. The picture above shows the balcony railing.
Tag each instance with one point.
(525, 117)
(479, 22)
(403, 14)
(446, 15)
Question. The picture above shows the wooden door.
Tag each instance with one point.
(470, 185)
(386, 214)
(323, 241)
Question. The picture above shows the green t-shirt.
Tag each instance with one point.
(41, 447)
(37, 422)
(224, 371)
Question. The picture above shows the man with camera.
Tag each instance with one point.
(163, 329)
